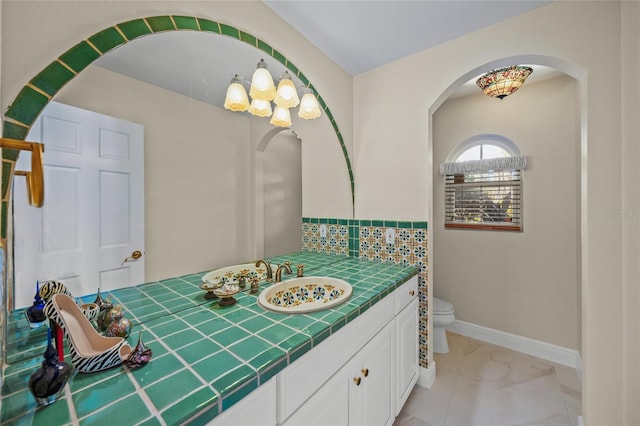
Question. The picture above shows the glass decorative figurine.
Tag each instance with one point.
(35, 313)
(47, 383)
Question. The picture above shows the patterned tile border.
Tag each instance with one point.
(367, 239)
(33, 97)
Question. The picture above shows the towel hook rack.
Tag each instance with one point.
(35, 177)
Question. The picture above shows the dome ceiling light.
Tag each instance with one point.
(501, 82)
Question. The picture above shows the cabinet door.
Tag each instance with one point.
(328, 406)
(372, 396)
(259, 407)
(406, 353)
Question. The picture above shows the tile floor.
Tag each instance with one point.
(480, 384)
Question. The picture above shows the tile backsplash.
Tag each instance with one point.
(400, 242)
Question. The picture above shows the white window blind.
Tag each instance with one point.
(483, 199)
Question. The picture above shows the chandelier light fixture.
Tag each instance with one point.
(502, 82)
(263, 91)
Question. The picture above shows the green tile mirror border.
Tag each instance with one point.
(33, 97)
(367, 239)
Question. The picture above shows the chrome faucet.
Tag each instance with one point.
(269, 270)
(286, 266)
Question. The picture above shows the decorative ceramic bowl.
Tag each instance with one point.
(210, 287)
(226, 293)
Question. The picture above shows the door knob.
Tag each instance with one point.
(357, 380)
(134, 256)
(365, 372)
(411, 293)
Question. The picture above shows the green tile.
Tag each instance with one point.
(79, 56)
(52, 78)
(256, 323)
(210, 327)
(153, 421)
(214, 366)
(165, 392)
(135, 28)
(249, 347)
(168, 327)
(279, 57)
(267, 360)
(107, 39)
(13, 131)
(265, 47)
(247, 38)
(186, 22)
(54, 414)
(240, 393)
(230, 335)
(207, 25)
(156, 369)
(196, 351)
(17, 404)
(160, 23)
(294, 70)
(81, 381)
(303, 79)
(129, 410)
(182, 338)
(27, 106)
(405, 225)
(103, 393)
(233, 379)
(230, 31)
(204, 399)
(276, 333)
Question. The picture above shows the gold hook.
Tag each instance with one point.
(34, 178)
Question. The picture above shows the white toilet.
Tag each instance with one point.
(443, 316)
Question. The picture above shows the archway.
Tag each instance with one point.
(579, 75)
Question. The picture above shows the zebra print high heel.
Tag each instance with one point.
(89, 350)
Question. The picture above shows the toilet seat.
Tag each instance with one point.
(441, 307)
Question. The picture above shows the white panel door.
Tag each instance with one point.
(93, 214)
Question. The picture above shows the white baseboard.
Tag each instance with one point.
(548, 351)
(427, 376)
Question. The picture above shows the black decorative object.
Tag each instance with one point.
(47, 383)
(35, 313)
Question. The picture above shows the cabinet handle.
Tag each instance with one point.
(411, 293)
(365, 372)
(357, 380)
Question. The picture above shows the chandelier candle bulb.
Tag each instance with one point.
(262, 87)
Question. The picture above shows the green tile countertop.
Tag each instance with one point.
(205, 357)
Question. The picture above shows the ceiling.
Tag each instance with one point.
(356, 35)
(365, 34)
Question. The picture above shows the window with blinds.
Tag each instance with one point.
(484, 200)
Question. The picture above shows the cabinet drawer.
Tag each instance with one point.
(406, 293)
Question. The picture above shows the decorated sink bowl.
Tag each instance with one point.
(307, 294)
(241, 273)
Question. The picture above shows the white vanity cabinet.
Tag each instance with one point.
(360, 375)
(370, 380)
(373, 384)
(406, 332)
(360, 393)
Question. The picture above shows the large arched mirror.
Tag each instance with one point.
(200, 183)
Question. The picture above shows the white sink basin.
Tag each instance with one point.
(307, 294)
(233, 273)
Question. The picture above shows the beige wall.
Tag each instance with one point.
(197, 189)
(631, 208)
(43, 30)
(521, 283)
(392, 150)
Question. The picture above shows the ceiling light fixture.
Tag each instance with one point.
(263, 91)
(502, 82)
